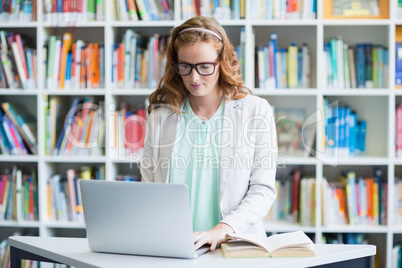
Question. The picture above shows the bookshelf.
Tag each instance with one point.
(374, 105)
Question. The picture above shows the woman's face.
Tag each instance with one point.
(196, 84)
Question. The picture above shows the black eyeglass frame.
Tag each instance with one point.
(195, 66)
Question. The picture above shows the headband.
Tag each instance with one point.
(202, 30)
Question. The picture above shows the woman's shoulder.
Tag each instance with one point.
(253, 101)
(160, 110)
(254, 98)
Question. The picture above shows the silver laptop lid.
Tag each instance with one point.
(138, 218)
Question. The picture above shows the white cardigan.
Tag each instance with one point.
(247, 162)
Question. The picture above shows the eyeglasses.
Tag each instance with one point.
(203, 68)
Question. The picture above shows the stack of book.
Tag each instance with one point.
(286, 207)
(363, 66)
(295, 199)
(58, 11)
(19, 63)
(282, 67)
(345, 133)
(138, 62)
(17, 130)
(240, 51)
(398, 130)
(344, 238)
(398, 63)
(143, 10)
(18, 11)
(73, 65)
(283, 10)
(397, 193)
(63, 198)
(80, 130)
(127, 130)
(355, 200)
(18, 196)
(220, 10)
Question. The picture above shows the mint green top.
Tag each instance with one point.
(195, 162)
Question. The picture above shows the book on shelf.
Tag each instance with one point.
(398, 130)
(277, 10)
(138, 61)
(345, 132)
(11, 137)
(82, 132)
(63, 193)
(18, 11)
(18, 68)
(17, 130)
(334, 210)
(73, 65)
(220, 10)
(355, 200)
(397, 193)
(18, 199)
(248, 245)
(344, 238)
(72, 11)
(397, 255)
(398, 63)
(287, 67)
(134, 126)
(308, 187)
(132, 121)
(286, 207)
(363, 65)
(24, 122)
(356, 7)
(145, 10)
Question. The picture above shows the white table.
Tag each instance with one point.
(75, 252)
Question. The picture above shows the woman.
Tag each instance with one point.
(205, 130)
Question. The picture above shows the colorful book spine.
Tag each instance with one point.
(369, 65)
(292, 66)
(273, 45)
(74, 65)
(398, 63)
(66, 47)
(59, 11)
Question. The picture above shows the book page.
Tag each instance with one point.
(242, 249)
(249, 237)
(306, 250)
(291, 239)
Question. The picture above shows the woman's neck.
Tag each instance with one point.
(206, 106)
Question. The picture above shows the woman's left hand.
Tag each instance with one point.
(214, 237)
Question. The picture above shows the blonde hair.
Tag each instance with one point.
(171, 90)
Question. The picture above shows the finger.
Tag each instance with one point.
(213, 245)
(198, 235)
(199, 244)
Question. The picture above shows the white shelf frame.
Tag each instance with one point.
(45, 228)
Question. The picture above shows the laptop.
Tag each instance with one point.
(138, 218)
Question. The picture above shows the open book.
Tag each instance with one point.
(291, 244)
